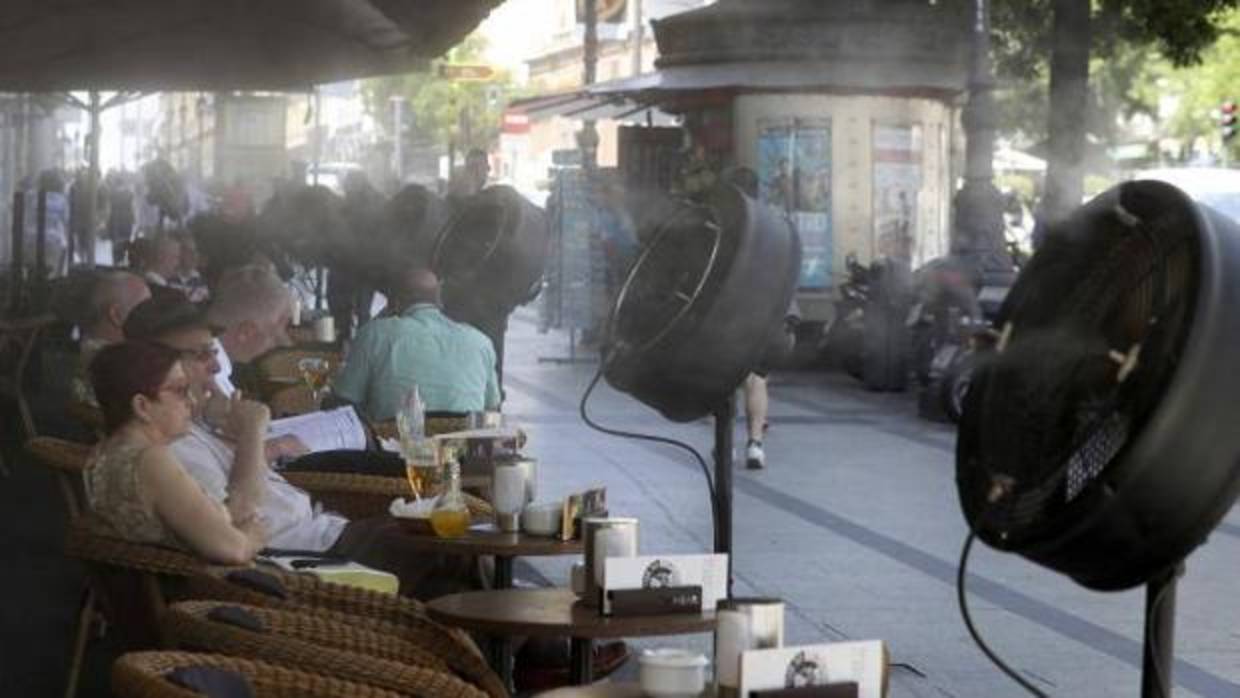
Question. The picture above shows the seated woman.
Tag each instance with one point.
(136, 484)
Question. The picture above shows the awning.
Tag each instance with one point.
(776, 75)
(580, 104)
(151, 45)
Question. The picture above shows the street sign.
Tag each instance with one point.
(480, 73)
(609, 11)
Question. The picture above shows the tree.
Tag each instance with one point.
(460, 113)
(1059, 36)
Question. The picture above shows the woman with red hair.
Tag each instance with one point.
(136, 484)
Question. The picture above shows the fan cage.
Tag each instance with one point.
(1048, 419)
(471, 239)
(664, 285)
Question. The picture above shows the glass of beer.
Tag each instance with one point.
(315, 372)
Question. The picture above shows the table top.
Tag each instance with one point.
(488, 540)
(555, 613)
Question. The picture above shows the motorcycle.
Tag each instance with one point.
(843, 338)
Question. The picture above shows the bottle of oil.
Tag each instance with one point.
(450, 517)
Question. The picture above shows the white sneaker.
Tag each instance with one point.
(755, 459)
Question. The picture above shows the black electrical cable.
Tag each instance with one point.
(710, 482)
(962, 598)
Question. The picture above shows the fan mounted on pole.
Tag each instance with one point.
(1091, 442)
(696, 313)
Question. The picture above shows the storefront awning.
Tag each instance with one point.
(580, 104)
(775, 75)
(150, 45)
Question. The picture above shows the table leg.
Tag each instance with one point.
(582, 668)
(503, 572)
(499, 649)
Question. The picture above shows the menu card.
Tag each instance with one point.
(864, 663)
(660, 571)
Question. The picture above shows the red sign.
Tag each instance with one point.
(515, 123)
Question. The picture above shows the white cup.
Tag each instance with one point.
(508, 494)
(295, 320)
(325, 329)
(741, 625)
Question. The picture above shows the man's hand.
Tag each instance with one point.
(285, 447)
(247, 418)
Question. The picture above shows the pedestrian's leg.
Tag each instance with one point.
(755, 420)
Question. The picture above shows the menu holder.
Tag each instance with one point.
(864, 663)
(843, 689)
(655, 602)
(644, 572)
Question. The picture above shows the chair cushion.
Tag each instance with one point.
(211, 681)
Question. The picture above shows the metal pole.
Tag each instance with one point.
(398, 149)
(92, 178)
(978, 230)
(40, 239)
(19, 251)
(1158, 654)
(638, 35)
(725, 415)
(588, 137)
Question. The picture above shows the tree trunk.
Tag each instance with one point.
(1069, 97)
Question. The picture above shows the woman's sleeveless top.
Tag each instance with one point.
(112, 488)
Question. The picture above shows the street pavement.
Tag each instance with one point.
(855, 524)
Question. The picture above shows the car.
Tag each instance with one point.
(1216, 187)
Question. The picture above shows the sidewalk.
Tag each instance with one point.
(855, 524)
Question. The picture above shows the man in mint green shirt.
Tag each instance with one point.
(452, 363)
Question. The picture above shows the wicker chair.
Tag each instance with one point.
(165, 574)
(362, 496)
(281, 363)
(141, 675)
(290, 400)
(86, 414)
(316, 643)
(69, 461)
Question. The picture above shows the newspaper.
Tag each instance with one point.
(325, 430)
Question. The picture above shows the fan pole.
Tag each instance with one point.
(1159, 654)
(725, 417)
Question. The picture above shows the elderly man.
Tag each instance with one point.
(452, 364)
(112, 296)
(235, 470)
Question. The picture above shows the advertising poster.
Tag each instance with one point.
(897, 158)
(794, 170)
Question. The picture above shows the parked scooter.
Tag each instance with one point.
(842, 340)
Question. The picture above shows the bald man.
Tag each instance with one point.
(452, 363)
(112, 295)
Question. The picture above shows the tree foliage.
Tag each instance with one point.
(1134, 43)
(466, 113)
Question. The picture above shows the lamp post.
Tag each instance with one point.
(978, 233)
(587, 138)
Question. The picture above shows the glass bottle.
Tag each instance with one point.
(419, 451)
(450, 517)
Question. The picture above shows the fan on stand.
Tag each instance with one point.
(1093, 441)
(695, 314)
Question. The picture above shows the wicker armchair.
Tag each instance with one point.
(69, 461)
(362, 496)
(86, 414)
(141, 675)
(316, 643)
(281, 363)
(290, 400)
(164, 574)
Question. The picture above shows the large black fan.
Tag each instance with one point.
(1092, 443)
(696, 313)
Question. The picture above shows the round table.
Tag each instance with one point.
(487, 540)
(505, 547)
(556, 613)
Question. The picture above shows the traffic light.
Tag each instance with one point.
(1227, 120)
